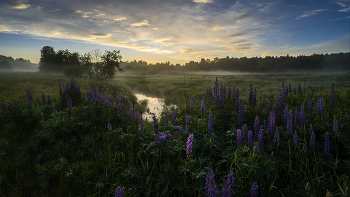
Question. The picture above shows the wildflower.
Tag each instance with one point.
(189, 146)
(331, 97)
(43, 96)
(187, 123)
(191, 104)
(256, 124)
(86, 124)
(228, 185)
(128, 112)
(239, 138)
(244, 161)
(173, 117)
(296, 116)
(153, 144)
(290, 123)
(162, 138)
(251, 95)
(271, 155)
(210, 186)
(276, 138)
(166, 121)
(109, 126)
(260, 140)
(302, 116)
(69, 103)
(216, 91)
(169, 136)
(320, 106)
(210, 123)
(295, 139)
(254, 191)
(142, 126)
(272, 122)
(118, 192)
(245, 132)
(179, 128)
(250, 139)
(312, 140)
(327, 145)
(335, 125)
(285, 115)
(254, 96)
(310, 105)
(282, 96)
(267, 111)
(155, 123)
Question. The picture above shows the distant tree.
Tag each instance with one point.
(5, 65)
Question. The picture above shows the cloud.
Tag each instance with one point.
(192, 51)
(311, 13)
(18, 5)
(229, 36)
(3, 28)
(120, 19)
(38, 8)
(139, 24)
(203, 1)
(101, 35)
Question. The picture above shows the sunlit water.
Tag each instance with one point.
(155, 106)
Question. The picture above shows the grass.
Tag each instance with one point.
(46, 153)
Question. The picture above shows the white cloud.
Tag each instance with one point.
(139, 24)
(311, 13)
(120, 19)
(3, 28)
(203, 1)
(18, 5)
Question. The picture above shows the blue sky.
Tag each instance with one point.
(175, 30)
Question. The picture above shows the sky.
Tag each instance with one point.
(178, 31)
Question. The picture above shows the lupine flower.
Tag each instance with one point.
(272, 122)
(168, 136)
(239, 138)
(331, 97)
(290, 89)
(267, 111)
(260, 140)
(210, 123)
(178, 128)
(162, 139)
(16, 105)
(86, 124)
(295, 139)
(189, 146)
(251, 95)
(296, 116)
(136, 117)
(244, 161)
(133, 103)
(166, 120)
(142, 126)
(256, 124)
(260, 103)
(132, 165)
(302, 116)
(43, 96)
(187, 123)
(153, 144)
(312, 140)
(282, 96)
(285, 115)
(327, 145)
(216, 91)
(250, 139)
(254, 191)
(121, 108)
(271, 155)
(310, 130)
(118, 192)
(155, 124)
(109, 126)
(271, 101)
(335, 125)
(320, 106)
(276, 137)
(245, 132)
(310, 105)
(210, 186)
(290, 123)
(173, 117)
(227, 189)
(187, 130)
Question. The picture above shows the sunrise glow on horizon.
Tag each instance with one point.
(176, 31)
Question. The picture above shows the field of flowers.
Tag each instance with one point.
(295, 143)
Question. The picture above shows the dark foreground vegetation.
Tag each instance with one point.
(295, 143)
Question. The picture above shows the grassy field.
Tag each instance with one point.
(88, 144)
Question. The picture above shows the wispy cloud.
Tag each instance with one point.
(18, 5)
(139, 24)
(311, 13)
(203, 1)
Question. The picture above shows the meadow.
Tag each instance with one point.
(227, 136)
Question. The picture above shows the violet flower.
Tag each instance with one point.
(245, 132)
(173, 117)
(239, 138)
(260, 140)
(295, 139)
(118, 192)
(109, 126)
(335, 125)
(166, 120)
(168, 136)
(155, 124)
(327, 145)
(312, 140)
(142, 126)
(153, 144)
(254, 191)
(227, 189)
(189, 146)
(250, 139)
(210, 123)
(210, 186)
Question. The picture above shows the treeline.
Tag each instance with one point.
(96, 65)
(315, 62)
(8, 63)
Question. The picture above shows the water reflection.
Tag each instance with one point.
(155, 106)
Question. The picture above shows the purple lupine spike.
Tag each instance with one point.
(295, 139)
(245, 132)
(216, 91)
(48, 100)
(240, 116)
(335, 125)
(310, 130)
(155, 124)
(327, 145)
(312, 140)
(256, 124)
(255, 94)
(136, 116)
(86, 124)
(121, 108)
(290, 123)
(178, 128)
(244, 161)
(250, 139)
(118, 192)
(189, 146)
(285, 115)
(168, 136)
(260, 140)
(302, 116)
(239, 138)
(16, 105)
(276, 137)
(272, 122)
(282, 97)
(153, 144)
(187, 124)
(43, 96)
(162, 139)
(202, 107)
(166, 120)
(227, 189)
(251, 95)
(320, 106)
(271, 155)
(173, 117)
(210, 123)
(109, 126)
(142, 126)
(210, 186)
(254, 191)
(228, 94)
(296, 117)
(331, 97)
